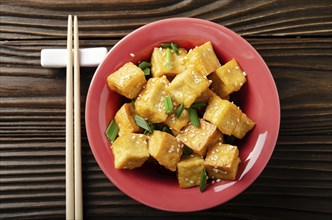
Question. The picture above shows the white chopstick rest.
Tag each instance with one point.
(57, 58)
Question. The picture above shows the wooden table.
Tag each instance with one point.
(293, 37)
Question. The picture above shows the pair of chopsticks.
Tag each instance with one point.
(74, 200)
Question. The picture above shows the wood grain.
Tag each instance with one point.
(293, 37)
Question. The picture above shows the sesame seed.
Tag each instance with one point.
(244, 73)
(132, 55)
(228, 70)
(186, 179)
(137, 142)
(218, 180)
(192, 182)
(160, 49)
(213, 181)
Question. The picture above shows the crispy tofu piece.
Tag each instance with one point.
(200, 138)
(124, 118)
(222, 161)
(127, 81)
(130, 151)
(203, 59)
(177, 123)
(245, 124)
(158, 62)
(189, 171)
(165, 148)
(227, 79)
(205, 96)
(150, 102)
(222, 113)
(187, 86)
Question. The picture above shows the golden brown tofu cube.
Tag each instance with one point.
(159, 65)
(205, 96)
(222, 161)
(243, 126)
(200, 138)
(124, 118)
(165, 148)
(127, 81)
(130, 151)
(150, 102)
(203, 59)
(224, 114)
(177, 123)
(189, 171)
(227, 79)
(187, 86)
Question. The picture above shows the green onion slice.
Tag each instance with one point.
(112, 131)
(167, 129)
(198, 105)
(168, 58)
(147, 71)
(144, 64)
(175, 48)
(166, 45)
(193, 117)
(142, 123)
(202, 185)
(168, 104)
(179, 110)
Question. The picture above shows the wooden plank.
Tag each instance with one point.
(103, 19)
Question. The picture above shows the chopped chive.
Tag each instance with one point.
(147, 71)
(112, 131)
(202, 184)
(168, 58)
(179, 110)
(168, 104)
(193, 117)
(196, 105)
(167, 129)
(144, 64)
(142, 123)
(166, 45)
(153, 127)
(175, 48)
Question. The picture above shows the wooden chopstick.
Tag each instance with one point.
(77, 127)
(74, 200)
(69, 125)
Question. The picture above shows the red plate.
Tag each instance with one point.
(258, 98)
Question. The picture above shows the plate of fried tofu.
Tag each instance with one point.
(182, 115)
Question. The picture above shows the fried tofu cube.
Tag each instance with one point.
(127, 81)
(245, 124)
(165, 148)
(159, 65)
(150, 102)
(200, 138)
(130, 151)
(124, 118)
(205, 96)
(222, 161)
(203, 59)
(177, 123)
(222, 113)
(187, 86)
(189, 171)
(227, 79)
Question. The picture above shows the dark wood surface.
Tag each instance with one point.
(293, 37)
